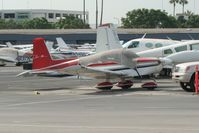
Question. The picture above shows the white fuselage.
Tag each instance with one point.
(169, 50)
(142, 44)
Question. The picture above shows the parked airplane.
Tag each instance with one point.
(3, 46)
(105, 64)
(171, 49)
(20, 47)
(142, 44)
(65, 51)
(13, 55)
(174, 54)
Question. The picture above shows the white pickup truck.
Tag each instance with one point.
(185, 74)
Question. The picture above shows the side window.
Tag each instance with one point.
(168, 51)
(149, 45)
(157, 45)
(134, 44)
(195, 46)
(181, 48)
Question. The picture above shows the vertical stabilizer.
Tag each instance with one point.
(9, 44)
(107, 38)
(61, 43)
(41, 56)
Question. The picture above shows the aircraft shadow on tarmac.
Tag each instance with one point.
(53, 89)
(118, 91)
(138, 89)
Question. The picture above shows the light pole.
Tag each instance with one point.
(2, 4)
(96, 14)
(84, 14)
(194, 6)
(102, 10)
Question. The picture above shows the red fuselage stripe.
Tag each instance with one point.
(102, 64)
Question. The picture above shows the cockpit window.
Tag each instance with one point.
(181, 48)
(149, 45)
(195, 46)
(134, 44)
(168, 51)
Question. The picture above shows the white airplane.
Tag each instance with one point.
(65, 51)
(105, 64)
(13, 55)
(3, 46)
(19, 47)
(175, 54)
(142, 44)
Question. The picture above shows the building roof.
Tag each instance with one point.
(87, 31)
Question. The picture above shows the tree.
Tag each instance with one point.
(71, 22)
(144, 18)
(193, 21)
(183, 2)
(174, 5)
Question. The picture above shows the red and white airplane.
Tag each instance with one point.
(106, 64)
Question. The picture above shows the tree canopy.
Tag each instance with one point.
(145, 18)
(68, 22)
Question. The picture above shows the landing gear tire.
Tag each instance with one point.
(1, 65)
(125, 84)
(187, 87)
(149, 85)
(104, 86)
(18, 64)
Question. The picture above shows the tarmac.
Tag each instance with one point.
(62, 105)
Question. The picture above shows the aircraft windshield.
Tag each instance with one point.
(134, 44)
(181, 48)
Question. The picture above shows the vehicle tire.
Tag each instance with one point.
(187, 86)
(192, 83)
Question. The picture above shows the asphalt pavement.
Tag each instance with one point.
(73, 105)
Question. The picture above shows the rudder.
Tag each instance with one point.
(41, 56)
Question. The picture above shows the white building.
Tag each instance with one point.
(50, 15)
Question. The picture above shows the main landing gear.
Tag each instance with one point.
(150, 85)
(125, 84)
(104, 86)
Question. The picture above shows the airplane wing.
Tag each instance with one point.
(7, 59)
(47, 73)
(102, 72)
(143, 66)
(94, 72)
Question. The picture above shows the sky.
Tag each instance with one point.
(114, 10)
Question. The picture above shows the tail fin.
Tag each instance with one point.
(49, 45)
(41, 56)
(9, 44)
(107, 38)
(61, 43)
